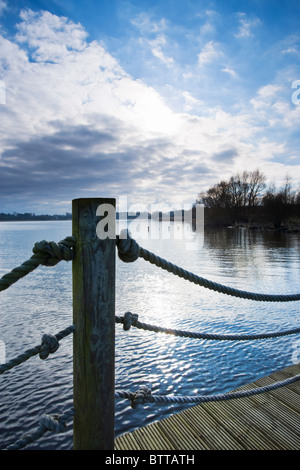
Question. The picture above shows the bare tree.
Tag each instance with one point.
(239, 195)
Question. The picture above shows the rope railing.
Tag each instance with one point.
(129, 251)
(54, 423)
(144, 395)
(129, 319)
(46, 254)
(49, 345)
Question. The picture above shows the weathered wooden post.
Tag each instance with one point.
(94, 320)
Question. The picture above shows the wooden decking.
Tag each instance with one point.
(269, 421)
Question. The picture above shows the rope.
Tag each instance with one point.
(143, 395)
(55, 423)
(131, 319)
(49, 344)
(46, 254)
(129, 251)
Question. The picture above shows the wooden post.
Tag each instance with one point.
(94, 320)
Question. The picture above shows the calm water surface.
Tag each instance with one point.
(42, 302)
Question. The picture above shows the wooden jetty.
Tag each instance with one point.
(268, 421)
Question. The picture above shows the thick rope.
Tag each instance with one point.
(129, 251)
(46, 254)
(49, 344)
(129, 319)
(143, 395)
(55, 423)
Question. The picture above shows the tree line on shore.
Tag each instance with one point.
(18, 217)
(245, 199)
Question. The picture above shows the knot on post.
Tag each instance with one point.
(49, 345)
(128, 248)
(141, 396)
(52, 253)
(52, 423)
(129, 319)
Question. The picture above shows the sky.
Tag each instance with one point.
(145, 100)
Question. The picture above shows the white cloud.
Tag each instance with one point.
(207, 28)
(269, 91)
(156, 49)
(291, 50)
(3, 6)
(230, 71)
(145, 24)
(209, 52)
(148, 28)
(51, 36)
(191, 102)
(246, 26)
(266, 95)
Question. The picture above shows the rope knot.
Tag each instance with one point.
(53, 252)
(141, 396)
(128, 248)
(129, 319)
(49, 345)
(52, 423)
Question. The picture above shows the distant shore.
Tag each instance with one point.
(17, 217)
(288, 228)
(291, 225)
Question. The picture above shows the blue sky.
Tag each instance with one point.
(152, 100)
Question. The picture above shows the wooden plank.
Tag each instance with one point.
(210, 430)
(273, 406)
(238, 425)
(151, 438)
(264, 431)
(127, 442)
(181, 434)
(287, 396)
(270, 421)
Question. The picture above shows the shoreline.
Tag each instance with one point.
(265, 227)
(289, 227)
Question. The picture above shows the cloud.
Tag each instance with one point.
(230, 71)
(153, 35)
(51, 37)
(246, 26)
(267, 96)
(156, 49)
(210, 51)
(225, 155)
(191, 102)
(3, 6)
(76, 159)
(146, 25)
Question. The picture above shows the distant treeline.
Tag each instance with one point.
(245, 199)
(31, 216)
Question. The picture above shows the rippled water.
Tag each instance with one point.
(42, 302)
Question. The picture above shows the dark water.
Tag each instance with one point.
(42, 302)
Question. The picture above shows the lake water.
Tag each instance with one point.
(257, 261)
